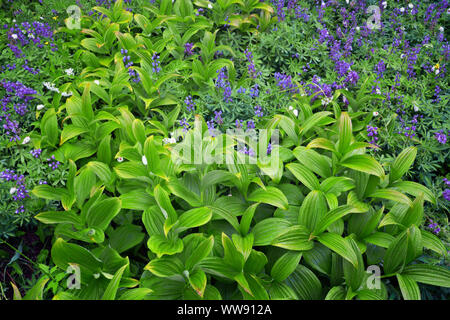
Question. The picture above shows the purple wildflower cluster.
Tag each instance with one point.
(52, 163)
(18, 96)
(251, 65)
(156, 63)
(128, 64)
(190, 104)
(188, 49)
(435, 228)
(284, 82)
(223, 83)
(19, 191)
(441, 137)
(373, 133)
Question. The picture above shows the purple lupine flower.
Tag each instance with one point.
(258, 111)
(190, 104)
(156, 63)
(188, 49)
(446, 194)
(372, 132)
(441, 137)
(36, 153)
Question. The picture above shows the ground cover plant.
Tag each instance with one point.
(224, 150)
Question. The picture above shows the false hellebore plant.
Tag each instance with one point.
(309, 228)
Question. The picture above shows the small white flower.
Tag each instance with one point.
(69, 72)
(416, 108)
(97, 82)
(347, 1)
(26, 140)
(12, 190)
(40, 107)
(291, 108)
(14, 36)
(441, 29)
(295, 112)
(119, 159)
(358, 28)
(384, 3)
(402, 9)
(14, 20)
(410, 5)
(66, 94)
(375, 113)
(169, 140)
(31, 36)
(144, 160)
(436, 71)
(378, 91)
(402, 56)
(210, 5)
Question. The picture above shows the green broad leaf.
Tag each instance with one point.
(271, 195)
(319, 258)
(395, 257)
(217, 266)
(381, 239)
(313, 210)
(137, 199)
(153, 220)
(135, 294)
(337, 185)
(313, 160)
(331, 217)
(126, 237)
(161, 245)
(165, 267)
(113, 285)
(163, 201)
(281, 291)
(363, 163)
(243, 244)
(16, 292)
(47, 192)
(354, 276)
(232, 256)
(322, 143)
(339, 245)
(49, 127)
(285, 265)
(304, 175)
(267, 230)
(226, 215)
(256, 289)
(414, 215)
(247, 218)
(36, 292)
(198, 281)
(415, 189)
(138, 131)
(430, 241)
(402, 163)
(369, 294)
(391, 194)
(65, 254)
(181, 191)
(102, 212)
(409, 288)
(50, 217)
(201, 252)
(132, 170)
(428, 274)
(255, 262)
(336, 293)
(71, 131)
(101, 170)
(305, 284)
(345, 132)
(194, 218)
(294, 238)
